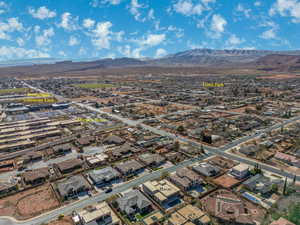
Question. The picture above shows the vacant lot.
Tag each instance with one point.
(94, 85)
(14, 90)
(29, 203)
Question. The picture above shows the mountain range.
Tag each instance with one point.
(264, 60)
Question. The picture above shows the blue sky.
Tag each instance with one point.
(143, 28)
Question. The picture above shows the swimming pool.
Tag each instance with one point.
(251, 197)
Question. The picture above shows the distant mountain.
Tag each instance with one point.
(278, 62)
(209, 58)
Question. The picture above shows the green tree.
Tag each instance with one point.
(284, 186)
(180, 129)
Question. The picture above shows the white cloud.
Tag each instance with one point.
(128, 52)
(44, 38)
(290, 8)
(217, 26)
(160, 52)
(112, 2)
(151, 14)
(73, 41)
(36, 29)
(20, 42)
(88, 23)
(234, 40)
(3, 7)
(118, 36)
(153, 39)
(187, 8)
(82, 51)
(134, 10)
(62, 53)
(68, 22)
(42, 13)
(7, 52)
(11, 25)
(257, 3)
(269, 34)
(242, 9)
(102, 35)
(97, 3)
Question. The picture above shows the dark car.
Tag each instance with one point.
(108, 190)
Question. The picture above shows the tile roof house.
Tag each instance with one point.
(6, 187)
(133, 202)
(62, 149)
(69, 165)
(240, 171)
(260, 183)
(113, 139)
(190, 214)
(72, 186)
(124, 150)
(32, 157)
(289, 159)
(249, 150)
(227, 208)
(162, 191)
(103, 175)
(185, 178)
(153, 160)
(206, 169)
(99, 213)
(36, 176)
(129, 167)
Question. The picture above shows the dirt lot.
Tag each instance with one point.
(29, 203)
(280, 76)
(64, 221)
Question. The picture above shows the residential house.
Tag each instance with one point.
(113, 140)
(186, 179)
(289, 159)
(152, 160)
(36, 176)
(130, 167)
(6, 187)
(62, 149)
(189, 215)
(260, 183)
(84, 141)
(162, 191)
(97, 160)
(134, 202)
(32, 157)
(206, 169)
(103, 176)
(228, 208)
(249, 150)
(99, 213)
(154, 219)
(123, 151)
(69, 165)
(72, 186)
(240, 171)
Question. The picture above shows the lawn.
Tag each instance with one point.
(93, 85)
